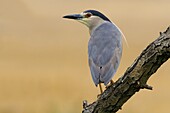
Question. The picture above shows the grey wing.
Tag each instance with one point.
(109, 70)
(104, 56)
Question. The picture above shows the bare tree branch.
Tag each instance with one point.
(135, 77)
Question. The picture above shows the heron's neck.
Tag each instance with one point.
(95, 25)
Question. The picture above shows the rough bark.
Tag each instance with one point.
(135, 77)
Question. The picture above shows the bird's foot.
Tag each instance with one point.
(99, 95)
(111, 83)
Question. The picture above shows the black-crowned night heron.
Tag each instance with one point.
(104, 47)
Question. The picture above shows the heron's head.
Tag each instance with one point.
(91, 18)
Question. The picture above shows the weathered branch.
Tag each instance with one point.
(135, 77)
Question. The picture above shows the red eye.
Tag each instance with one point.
(88, 15)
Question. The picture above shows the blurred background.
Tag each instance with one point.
(43, 57)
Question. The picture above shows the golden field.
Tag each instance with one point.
(43, 58)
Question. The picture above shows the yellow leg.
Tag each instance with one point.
(100, 88)
(111, 83)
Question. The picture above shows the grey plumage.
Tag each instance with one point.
(105, 51)
(104, 47)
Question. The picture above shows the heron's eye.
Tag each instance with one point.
(88, 15)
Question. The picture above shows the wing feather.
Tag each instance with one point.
(104, 49)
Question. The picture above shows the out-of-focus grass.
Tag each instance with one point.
(43, 58)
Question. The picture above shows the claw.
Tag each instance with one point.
(99, 95)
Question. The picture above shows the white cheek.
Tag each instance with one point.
(84, 21)
(91, 21)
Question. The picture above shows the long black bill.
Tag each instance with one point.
(74, 16)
